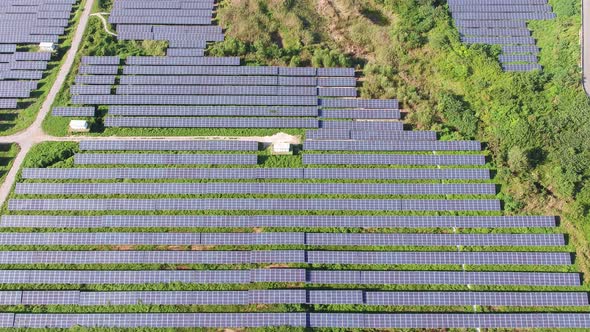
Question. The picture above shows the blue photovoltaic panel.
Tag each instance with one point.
(95, 79)
(490, 24)
(288, 221)
(362, 125)
(518, 58)
(393, 135)
(520, 49)
(360, 114)
(514, 8)
(164, 159)
(166, 173)
(360, 103)
(215, 90)
(442, 278)
(498, 40)
(199, 70)
(98, 70)
(395, 174)
(303, 111)
(521, 299)
(194, 100)
(73, 111)
(202, 122)
(182, 61)
(198, 80)
(391, 159)
(392, 146)
(101, 60)
(163, 145)
(446, 321)
(521, 67)
(185, 52)
(251, 205)
(233, 188)
(90, 89)
(494, 32)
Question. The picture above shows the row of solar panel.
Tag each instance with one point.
(21, 74)
(275, 221)
(25, 56)
(284, 257)
(203, 122)
(166, 159)
(391, 159)
(202, 29)
(236, 188)
(194, 100)
(220, 70)
(233, 80)
(215, 90)
(162, 145)
(343, 134)
(322, 277)
(503, 16)
(496, 2)
(489, 8)
(169, 4)
(185, 52)
(167, 12)
(277, 112)
(256, 173)
(305, 111)
(321, 145)
(494, 32)
(521, 67)
(73, 111)
(247, 122)
(303, 320)
(252, 204)
(294, 296)
(491, 23)
(499, 40)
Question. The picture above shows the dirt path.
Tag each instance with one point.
(104, 23)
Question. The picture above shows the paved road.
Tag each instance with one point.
(586, 45)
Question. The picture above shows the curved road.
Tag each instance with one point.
(586, 45)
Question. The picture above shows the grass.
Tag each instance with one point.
(13, 121)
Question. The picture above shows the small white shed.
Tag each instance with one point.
(47, 47)
(79, 126)
(281, 148)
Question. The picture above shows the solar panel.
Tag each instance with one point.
(57, 277)
(232, 188)
(391, 159)
(182, 61)
(517, 58)
(194, 100)
(95, 79)
(360, 114)
(157, 159)
(250, 205)
(289, 221)
(73, 111)
(392, 146)
(164, 173)
(521, 67)
(98, 70)
(362, 125)
(215, 90)
(185, 52)
(360, 103)
(436, 258)
(101, 60)
(477, 298)
(197, 80)
(436, 321)
(306, 111)
(203, 122)
(442, 278)
(173, 145)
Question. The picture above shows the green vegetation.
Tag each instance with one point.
(12, 121)
(7, 154)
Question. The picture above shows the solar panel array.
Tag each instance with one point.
(362, 206)
(25, 23)
(502, 23)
